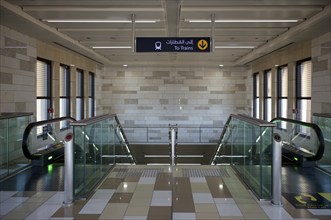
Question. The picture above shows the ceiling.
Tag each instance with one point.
(251, 39)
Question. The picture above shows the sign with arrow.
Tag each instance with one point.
(173, 44)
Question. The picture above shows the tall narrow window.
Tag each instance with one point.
(256, 96)
(267, 95)
(303, 91)
(92, 95)
(44, 95)
(64, 94)
(282, 91)
(80, 95)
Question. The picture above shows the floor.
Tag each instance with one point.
(157, 192)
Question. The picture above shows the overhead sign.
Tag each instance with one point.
(173, 44)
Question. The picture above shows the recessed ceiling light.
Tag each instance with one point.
(125, 65)
(98, 21)
(239, 20)
(276, 65)
(220, 65)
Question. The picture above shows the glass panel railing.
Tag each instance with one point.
(246, 143)
(302, 143)
(99, 143)
(324, 123)
(43, 140)
(12, 126)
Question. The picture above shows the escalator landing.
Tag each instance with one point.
(306, 187)
(48, 178)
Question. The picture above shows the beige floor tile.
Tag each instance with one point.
(137, 211)
(141, 201)
(207, 216)
(114, 211)
(199, 188)
(200, 208)
(121, 198)
(27, 207)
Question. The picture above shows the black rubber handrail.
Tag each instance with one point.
(25, 147)
(317, 130)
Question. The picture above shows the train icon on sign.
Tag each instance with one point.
(158, 45)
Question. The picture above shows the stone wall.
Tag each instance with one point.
(17, 72)
(321, 74)
(185, 96)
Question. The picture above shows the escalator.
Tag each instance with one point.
(42, 145)
(99, 143)
(247, 144)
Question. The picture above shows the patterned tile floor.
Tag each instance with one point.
(156, 192)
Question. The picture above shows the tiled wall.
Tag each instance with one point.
(183, 96)
(17, 72)
(321, 80)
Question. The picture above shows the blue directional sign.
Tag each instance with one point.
(173, 44)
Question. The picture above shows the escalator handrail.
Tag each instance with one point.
(25, 147)
(317, 130)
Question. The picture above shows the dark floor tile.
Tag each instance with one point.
(159, 212)
(214, 184)
(68, 211)
(182, 200)
(121, 198)
(163, 181)
(111, 183)
(132, 179)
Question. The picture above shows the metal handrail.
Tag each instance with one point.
(25, 147)
(317, 130)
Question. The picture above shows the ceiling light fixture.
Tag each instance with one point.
(97, 21)
(234, 47)
(241, 20)
(111, 47)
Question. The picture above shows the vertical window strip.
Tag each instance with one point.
(92, 95)
(64, 93)
(80, 94)
(267, 95)
(43, 85)
(303, 90)
(282, 93)
(256, 95)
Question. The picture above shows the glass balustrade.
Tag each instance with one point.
(12, 126)
(99, 143)
(246, 143)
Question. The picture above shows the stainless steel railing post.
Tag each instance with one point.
(276, 170)
(68, 170)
